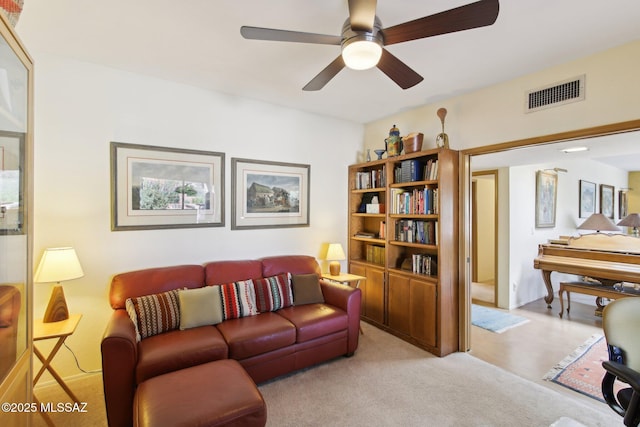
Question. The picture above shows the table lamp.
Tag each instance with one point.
(598, 222)
(631, 220)
(334, 255)
(57, 265)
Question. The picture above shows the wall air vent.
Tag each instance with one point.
(561, 93)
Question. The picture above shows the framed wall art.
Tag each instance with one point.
(269, 194)
(607, 200)
(159, 187)
(587, 198)
(623, 204)
(12, 167)
(546, 195)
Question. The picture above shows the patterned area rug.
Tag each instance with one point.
(582, 370)
(494, 320)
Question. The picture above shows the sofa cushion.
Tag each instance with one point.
(250, 336)
(273, 293)
(175, 350)
(154, 314)
(238, 299)
(199, 307)
(315, 320)
(306, 289)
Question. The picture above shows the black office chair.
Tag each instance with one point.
(621, 325)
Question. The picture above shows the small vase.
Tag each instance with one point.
(368, 155)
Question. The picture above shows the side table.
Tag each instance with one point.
(44, 331)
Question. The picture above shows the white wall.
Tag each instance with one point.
(81, 107)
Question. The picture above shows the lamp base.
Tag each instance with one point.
(334, 268)
(57, 308)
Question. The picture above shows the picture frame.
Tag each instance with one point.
(623, 204)
(161, 188)
(607, 197)
(587, 199)
(12, 167)
(546, 197)
(267, 194)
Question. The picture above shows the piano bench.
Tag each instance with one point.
(590, 288)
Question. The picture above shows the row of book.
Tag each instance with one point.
(424, 264)
(419, 201)
(375, 178)
(412, 231)
(375, 254)
(415, 170)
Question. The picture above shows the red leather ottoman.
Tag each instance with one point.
(218, 393)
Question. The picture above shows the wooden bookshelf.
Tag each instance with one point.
(412, 291)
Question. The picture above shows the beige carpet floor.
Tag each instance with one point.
(388, 383)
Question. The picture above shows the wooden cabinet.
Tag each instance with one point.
(372, 291)
(409, 246)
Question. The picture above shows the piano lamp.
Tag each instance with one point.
(598, 222)
(631, 220)
(57, 265)
(334, 255)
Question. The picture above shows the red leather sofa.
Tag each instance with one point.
(267, 345)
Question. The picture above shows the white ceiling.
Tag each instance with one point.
(198, 42)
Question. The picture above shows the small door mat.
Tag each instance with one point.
(582, 370)
(494, 320)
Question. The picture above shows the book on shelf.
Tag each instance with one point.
(366, 234)
(375, 254)
(413, 231)
(430, 172)
(424, 264)
(419, 201)
(375, 178)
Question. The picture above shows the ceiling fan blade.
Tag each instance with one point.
(325, 75)
(362, 13)
(398, 71)
(474, 15)
(257, 33)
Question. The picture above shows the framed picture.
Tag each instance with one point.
(546, 194)
(587, 198)
(623, 204)
(606, 200)
(12, 169)
(269, 194)
(159, 187)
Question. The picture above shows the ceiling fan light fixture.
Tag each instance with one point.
(361, 53)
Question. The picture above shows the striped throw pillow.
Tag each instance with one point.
(238, 299)
(273, 293)
(154, 314)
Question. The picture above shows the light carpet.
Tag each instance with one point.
(392, 383)
(388, 383)
(582, 370)
(493, 320)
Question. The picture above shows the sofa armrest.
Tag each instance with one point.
(119, 359)
(348, 299)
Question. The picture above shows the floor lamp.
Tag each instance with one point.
(57, 265)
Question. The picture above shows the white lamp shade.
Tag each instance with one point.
(58, 265)
(335, 252)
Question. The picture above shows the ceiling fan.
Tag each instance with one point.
(363, 39)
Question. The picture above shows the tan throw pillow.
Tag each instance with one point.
(199, 307)
(306, 289)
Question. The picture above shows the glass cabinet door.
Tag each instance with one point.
(16, 197)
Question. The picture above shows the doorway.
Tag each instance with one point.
(484, 220)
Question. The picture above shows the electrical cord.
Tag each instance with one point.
(78, 363)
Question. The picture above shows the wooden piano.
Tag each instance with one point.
(607, 258)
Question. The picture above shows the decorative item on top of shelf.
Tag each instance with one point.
(393, 144)
(442, 140)
(368, 155)
(412, 142)
(379, 152)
